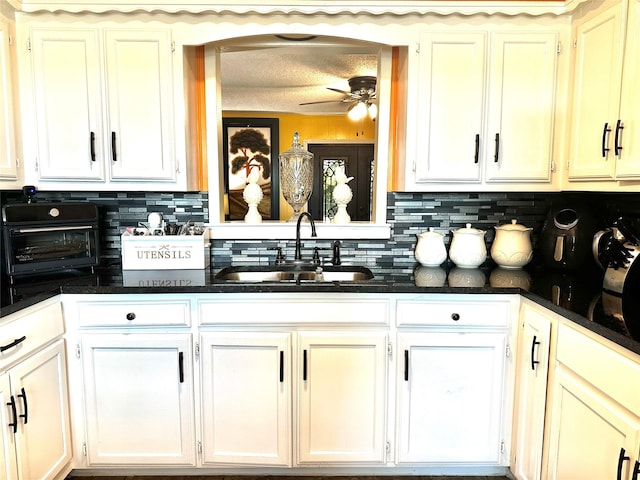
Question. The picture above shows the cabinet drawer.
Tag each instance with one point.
(611, 372)
(287, 310)
(134, 313)
(28, 330)
(436, 312)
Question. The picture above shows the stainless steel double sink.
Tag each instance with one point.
(303, 273)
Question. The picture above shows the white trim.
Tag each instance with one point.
(309, 7)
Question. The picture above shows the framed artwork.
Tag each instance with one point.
(251, 143)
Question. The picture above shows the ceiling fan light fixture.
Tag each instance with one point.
(373, 110)
(358, 111)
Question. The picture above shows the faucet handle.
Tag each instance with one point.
(335, 260)
(279, 256)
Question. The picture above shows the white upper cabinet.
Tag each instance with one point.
(103, 108)
(8, 155)
(485, 109)
(68, 104)
(451, 97)
(628, 162)
(606, 104)
(139, 104)
(521, 105)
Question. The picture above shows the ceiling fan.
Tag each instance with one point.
(363, 92)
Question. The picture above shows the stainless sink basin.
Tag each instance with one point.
(294, 274)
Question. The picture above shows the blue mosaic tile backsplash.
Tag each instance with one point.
(408, 214)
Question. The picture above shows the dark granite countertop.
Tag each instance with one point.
(574, 295)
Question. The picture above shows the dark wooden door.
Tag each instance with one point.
(357, 158)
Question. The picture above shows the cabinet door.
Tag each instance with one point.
(597, 79)
(450, 397)
(589, 432)
(43, 439)
(8, 466)
(521, 103)
(246, 387)
(8, 167)
(531, 392)
(341, 381)
(68, 103)
(140, 110)
(628, 162)
(138, 399)
(451, 106)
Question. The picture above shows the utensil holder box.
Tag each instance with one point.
(165, 252)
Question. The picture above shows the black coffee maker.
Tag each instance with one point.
(567, 236)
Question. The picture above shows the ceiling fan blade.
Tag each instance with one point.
(339, 91)
(324, 101)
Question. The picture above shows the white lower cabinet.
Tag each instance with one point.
(35, 436)
(246, 398)
(36, 431)
(8, 465)
(249, 381)
(454, 371)
(341, 386)
(450, 390)
(531, 390)
(594, 428)
(590, 433)
(138, 398)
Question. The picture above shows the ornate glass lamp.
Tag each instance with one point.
(296, 176)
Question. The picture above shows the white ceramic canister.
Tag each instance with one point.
(468, 249)
(430, 250)
(512, 246)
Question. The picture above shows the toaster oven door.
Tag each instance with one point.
(49, 248)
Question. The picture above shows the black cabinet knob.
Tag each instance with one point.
(131, 316)
(455, 317)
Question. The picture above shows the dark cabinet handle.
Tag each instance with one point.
(304, 365)
(92, 146)
(12, 404)
(181, 366)
(605, 130)
(114, 154)
(533, 352)
(455, 317)
(497, 152)
(476, 155)
(621, 459)
(406, 365)
(131, 316)
(616, 139)
(23, 396)
(636, 470)
(281, 366)
(17, 341)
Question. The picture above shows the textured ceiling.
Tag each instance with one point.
(278, 78)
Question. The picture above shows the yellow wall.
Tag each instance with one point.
(316, 127)
(311, 127)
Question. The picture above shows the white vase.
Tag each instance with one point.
(342, 195)
(253, 195)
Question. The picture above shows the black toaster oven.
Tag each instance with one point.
(49, 237)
